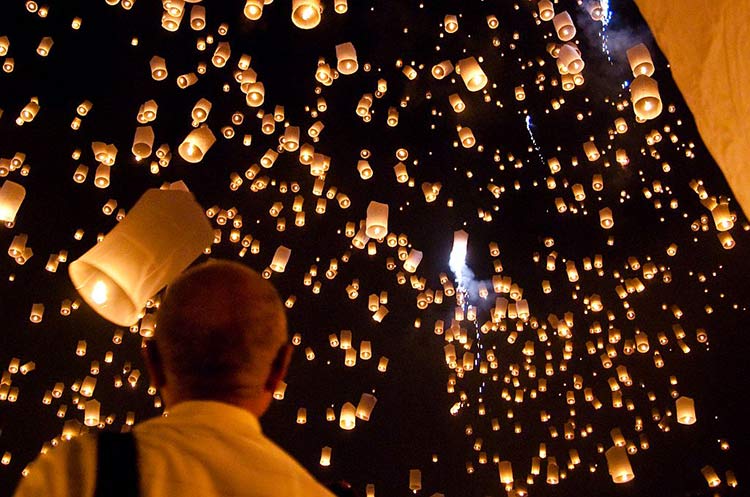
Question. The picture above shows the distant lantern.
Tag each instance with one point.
(91, 413)
(101, 179)
(11, 197)
(377, 220)
(255, 94)
(441, 70)
(415, 480)
(722, 217)
(201, 109)
(450, 23)
(253, 9)
(196, 144)
(366, 405)
(472, 74)
(340, 6)
(685, 411)
(570, 58)
(709, 473)
(347, 418)
(143, 141)
(45, 46)
(158, 68)
(605, 218)
(290, 139)
(412, 261)
(280, 259)
(221, 54)
(506, 472)
(197, 17)
(325, 456)
(467, 137)
(306, 13)
(456, 102)
(346, 56)
(546, 10)
(564, 26)
(162, 234)
(640, 60)
(619, 465)
(644, 93)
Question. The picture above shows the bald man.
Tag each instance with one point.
(219, 351)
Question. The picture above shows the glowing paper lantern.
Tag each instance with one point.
(196, 144)
(685, 411)
(450, 23)
(564, 26)
(640, 60)
(11, 197)
(377, 220)
(306, 13)
(619, 465)
(347, 418)
(472, 74)
(709, 473)
(546, 10)
(441, 70)
(158, 68)
(412, 261)
(415, 480)
(325, 456)
(143, 141)
(253, 9)
(346, 56)
(281, 258)
(644, 93)
(570, 58)
(366, 405)
(506, 472)
(162, 234)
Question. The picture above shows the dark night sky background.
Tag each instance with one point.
(411, 421)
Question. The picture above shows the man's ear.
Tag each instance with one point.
(154, 364)
(279, 367)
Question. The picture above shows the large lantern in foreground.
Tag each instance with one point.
(11, 198)
(162, 234)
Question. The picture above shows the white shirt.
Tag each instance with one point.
(201, 448)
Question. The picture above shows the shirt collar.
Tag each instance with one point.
(213, 411)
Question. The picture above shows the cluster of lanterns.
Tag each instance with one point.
(120, 277)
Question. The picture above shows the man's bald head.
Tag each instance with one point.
(219, 329)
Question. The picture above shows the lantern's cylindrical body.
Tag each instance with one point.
(346, 56)
(685, 411)
(306, 13)
(474, 78)
(644, 93)
(564, 26)
(366, 405)
(377, 220)
(640, 60)
(11, 197)
(161, 235)
(196, 144)
(619, 465)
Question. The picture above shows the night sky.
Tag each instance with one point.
(412, 426)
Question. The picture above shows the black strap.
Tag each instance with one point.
(117, 465)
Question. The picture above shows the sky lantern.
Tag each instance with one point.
(196, 144)
(140, 256)
(306, 14)
(11, 197)
(471, 73)
(644, 92)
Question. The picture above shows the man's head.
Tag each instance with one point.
(221, 335)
